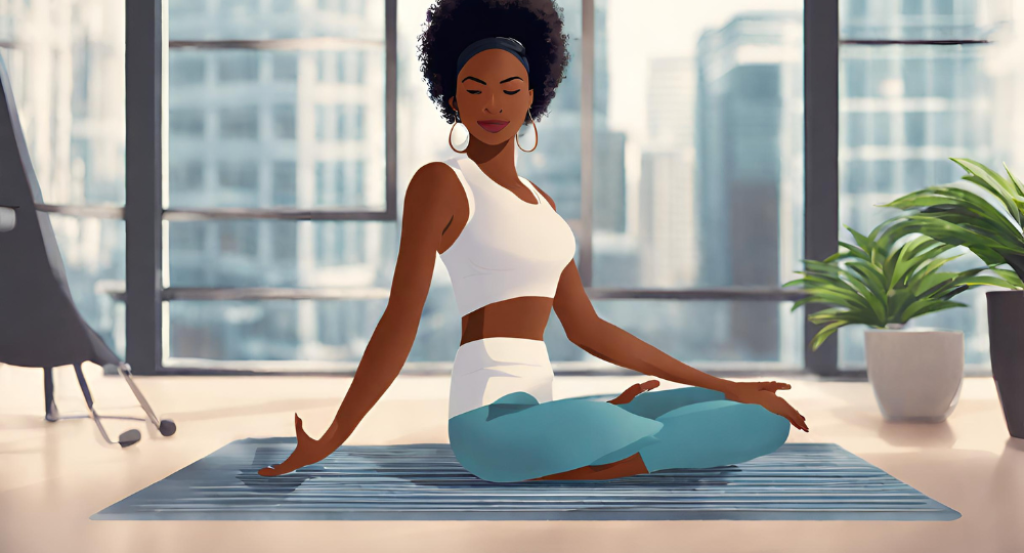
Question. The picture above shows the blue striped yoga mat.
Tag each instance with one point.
(426, 482)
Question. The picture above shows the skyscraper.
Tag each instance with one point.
(252, 128)
(749, 147)
(669, 255)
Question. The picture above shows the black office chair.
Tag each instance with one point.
(39, 323)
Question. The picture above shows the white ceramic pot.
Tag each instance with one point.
(916, 373)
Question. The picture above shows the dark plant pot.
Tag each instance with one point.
(1005, 335)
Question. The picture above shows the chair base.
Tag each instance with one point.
(166, 427)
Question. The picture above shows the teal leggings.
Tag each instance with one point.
(516, 438)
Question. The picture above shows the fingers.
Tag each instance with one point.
(793, 415)
(269, 471)
(300, 434)
(649, 385)
(773, 386)
(277, 470)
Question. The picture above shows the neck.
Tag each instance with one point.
(496, 159)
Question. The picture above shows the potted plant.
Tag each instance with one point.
(916, 374)
(984, 215)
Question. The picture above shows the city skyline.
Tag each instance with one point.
(305, 128)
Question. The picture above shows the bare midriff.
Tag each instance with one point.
(523, 317)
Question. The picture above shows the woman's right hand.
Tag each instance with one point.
(763, 394)
(307, 451)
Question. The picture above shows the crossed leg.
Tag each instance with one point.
(650, 405)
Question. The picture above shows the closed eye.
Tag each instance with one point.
(511, 92)
(474, 91)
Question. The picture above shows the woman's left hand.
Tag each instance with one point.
(772, 386)
(763, 394)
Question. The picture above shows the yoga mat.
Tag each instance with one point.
(426, 482)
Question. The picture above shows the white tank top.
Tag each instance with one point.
(509, 248)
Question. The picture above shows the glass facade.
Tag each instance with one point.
(66, 64)
(905, 109)
(697, 161)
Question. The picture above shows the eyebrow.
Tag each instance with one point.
(481, 82)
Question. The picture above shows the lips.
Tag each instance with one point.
(492, 125)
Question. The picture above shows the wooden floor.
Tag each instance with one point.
(53, 477)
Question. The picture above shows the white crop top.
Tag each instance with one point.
(509, 248)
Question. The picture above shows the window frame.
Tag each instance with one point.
(147, 284)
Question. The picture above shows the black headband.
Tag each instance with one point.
(511, 45)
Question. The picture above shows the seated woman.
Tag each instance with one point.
(493, 66)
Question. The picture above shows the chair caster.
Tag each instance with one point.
(129, 438)
(167, 427)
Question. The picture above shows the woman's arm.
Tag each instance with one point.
(427, 210)
(608, 342)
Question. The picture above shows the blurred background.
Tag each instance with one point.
(694, 178)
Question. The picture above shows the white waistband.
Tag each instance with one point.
(487, 369)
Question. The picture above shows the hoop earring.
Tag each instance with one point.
(450, 131)
(536, 137)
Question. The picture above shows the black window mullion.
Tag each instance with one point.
(821, 157)
(144, 53)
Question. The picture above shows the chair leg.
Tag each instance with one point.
(126, 438)
(52, 414)
(165, 426)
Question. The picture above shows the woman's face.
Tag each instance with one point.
(493, 96)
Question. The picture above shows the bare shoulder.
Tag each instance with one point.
(435, 181)
(542, 193)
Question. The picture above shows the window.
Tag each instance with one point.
(695, 161)
(321, 66)
(239, 122)
(912, 7)
(697, 168)
(360, 112)
(342, 121)
(187, 175)
(286, 245)
(914, 128)
(66, 70)
(321, 122)
(287, 164)
(357, 183)
(343, 67)
(188, 238)
(236, 8)
(239, 237)
(239, 175)
(284, 183)
(284, 121)
(321, 184)
(286, 66)
(341, 188)
(235, 67)
(940, 95)
(360, 66)
(187, 71)
(186, 122)
(282, 6)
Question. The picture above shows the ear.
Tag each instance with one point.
(452, 103)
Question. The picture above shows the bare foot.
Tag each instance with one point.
(635, 390)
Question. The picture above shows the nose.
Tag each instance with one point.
(492, 104)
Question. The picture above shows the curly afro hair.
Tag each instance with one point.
(454, 24)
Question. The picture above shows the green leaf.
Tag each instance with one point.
(824, 333)
(992, 182)
(988, 281)
(928, 306)
(1013, 179)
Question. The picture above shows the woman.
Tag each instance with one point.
(493, 65)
